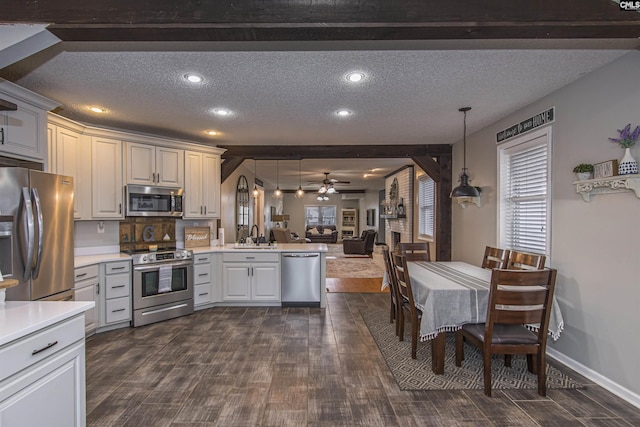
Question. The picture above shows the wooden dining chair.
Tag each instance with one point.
(525, 261)
(516, 298)
(415, 251)
(394, 308)
(495, 258)
(407, 307)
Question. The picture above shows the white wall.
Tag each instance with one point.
(595, 245)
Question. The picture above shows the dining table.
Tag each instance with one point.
(451, 294)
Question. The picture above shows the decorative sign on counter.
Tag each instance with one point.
(196, 236)
(531, 123)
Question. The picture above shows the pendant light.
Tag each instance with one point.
(464, 189)
(277, 194)
(255, 191)
(299, 191)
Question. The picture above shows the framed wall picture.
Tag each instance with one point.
(605, 169)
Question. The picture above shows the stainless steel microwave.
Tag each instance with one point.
(153, 201)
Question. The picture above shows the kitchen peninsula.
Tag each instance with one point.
(229, 275)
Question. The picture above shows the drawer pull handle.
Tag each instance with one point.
(46, 347)
(115, 311)
(116, 287)
(202, 259)
(203, 274)
(118, 268)
(201, 295)
(81, 275)
(250, 257)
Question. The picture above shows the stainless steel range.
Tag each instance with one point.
(162, 285)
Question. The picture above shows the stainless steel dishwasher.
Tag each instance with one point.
(300, 279)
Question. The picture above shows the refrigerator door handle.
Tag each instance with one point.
(28, 210)
(36, 198)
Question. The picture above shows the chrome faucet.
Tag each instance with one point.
(255, 226)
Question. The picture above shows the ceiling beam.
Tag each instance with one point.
(294, 152)
(316, 20)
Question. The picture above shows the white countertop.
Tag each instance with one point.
(84, 260)
(21, 318)
(282, 247)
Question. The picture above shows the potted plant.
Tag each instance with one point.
(583, 171)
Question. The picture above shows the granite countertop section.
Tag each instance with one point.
(282, 247)
(84, 260)
(21, 318)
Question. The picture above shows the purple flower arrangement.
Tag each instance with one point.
(627, 138)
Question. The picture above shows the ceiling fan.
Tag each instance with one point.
(327, 184)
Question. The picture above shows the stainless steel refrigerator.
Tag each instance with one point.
(36, 234)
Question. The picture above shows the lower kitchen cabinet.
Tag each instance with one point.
(251, 277)
(206, 268)
(43, 378)
(86, 287)
(116, 297)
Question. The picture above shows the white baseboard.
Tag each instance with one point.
(602, 381)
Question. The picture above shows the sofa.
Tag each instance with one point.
(360, 246)
(322, 233)
(283, 235)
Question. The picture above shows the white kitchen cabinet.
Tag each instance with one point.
(43, 377)
(201, 279)
(86, 287)
(251, 277)
(23, 131)
(106, 172)
(154, 165)
(206, 278)
(116, 294)
(68, 152)
(201, 185)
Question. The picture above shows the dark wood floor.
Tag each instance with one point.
(296, 367)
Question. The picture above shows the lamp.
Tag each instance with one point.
(255, 191)
(322, 197)
(464, 189)
(277, 194)
(299, 191)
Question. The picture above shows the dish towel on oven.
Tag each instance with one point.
(164, 279)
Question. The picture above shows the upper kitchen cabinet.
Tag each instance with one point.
(154, 165)
(68, 152)
(106, 173)
(202, 184)
(23, 130)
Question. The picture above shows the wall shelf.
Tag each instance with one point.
(397, 216)
(612, 184)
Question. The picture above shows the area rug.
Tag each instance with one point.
(416, 374)
(344, 267)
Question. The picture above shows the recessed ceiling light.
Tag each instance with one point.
(193, 78)
(98, 109)
(212, 132)
(343, 113)
(355, 77)
(223, 112)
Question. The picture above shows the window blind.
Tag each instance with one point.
(426, 202)
(525, 187)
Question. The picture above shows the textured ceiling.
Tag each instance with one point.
(289, 97)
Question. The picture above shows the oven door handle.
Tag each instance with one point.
(151, 267)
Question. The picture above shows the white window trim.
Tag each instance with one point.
(523, 142)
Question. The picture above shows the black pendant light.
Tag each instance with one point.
(464, 189)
